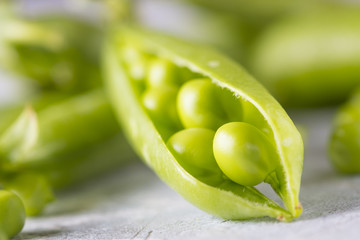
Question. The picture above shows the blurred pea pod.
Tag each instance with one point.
(256, 11)
(55, 52)
(311, 59)
(65, 142)
(343, 148)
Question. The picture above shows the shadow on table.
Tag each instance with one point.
(93, 194)
(38, 234)
(330, 193)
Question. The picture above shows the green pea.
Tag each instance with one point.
(130, 54)
(243, 153)
(192, 147)
(160, 103)
(33, 189)
(198, 105)
(161, 72)
(12, 214)
(135, 61)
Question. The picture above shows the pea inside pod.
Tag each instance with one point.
(192, 159)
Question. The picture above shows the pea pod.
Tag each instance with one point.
(238, 92)
(51, 51)
(343, 145)
(310, 59)
(62, 142)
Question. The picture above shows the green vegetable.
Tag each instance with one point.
(198, 106)
(12, 215)
(311, 59)
(192, 148)
(244, 153)
(64, 142)
(51, 51)
(343, 145)
(33, 189)
(185, 160)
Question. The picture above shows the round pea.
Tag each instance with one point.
(198, 105)
(12, 214)
(244, 153)
(193, 149)
(160, 103)
(33, 189)
(161, 72)
(135, 61)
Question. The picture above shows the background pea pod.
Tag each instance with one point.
(51, 52)
(343, 146)
(220, 197)
(310, 59)
(70, 140)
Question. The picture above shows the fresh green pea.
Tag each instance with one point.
(160, 103)
(33, 189)
(244, 153)
(12, 214)
(161, 72)
(223, 92)
(193, 149)
(199, 106)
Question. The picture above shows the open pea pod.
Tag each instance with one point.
(148, 75)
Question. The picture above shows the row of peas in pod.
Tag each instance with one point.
(212, 134)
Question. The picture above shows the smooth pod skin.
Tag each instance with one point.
(226, 198)
(244, 153)
(12, 214)
(310, 59)
(199, 106)
(343, 147)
